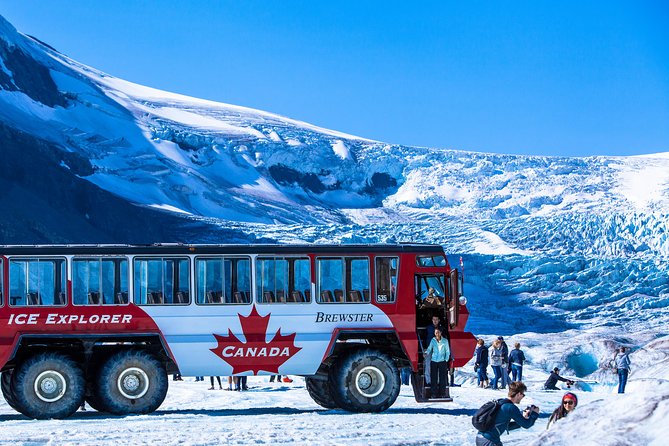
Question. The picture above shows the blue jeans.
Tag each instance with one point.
(505, 376)
(405, 374)
(497, 369)
(482, 374)
(622, 379)
(517, 372)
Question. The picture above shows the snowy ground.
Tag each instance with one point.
(272, 413)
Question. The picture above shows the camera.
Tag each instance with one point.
(530, 408)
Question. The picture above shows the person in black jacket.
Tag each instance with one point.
(553, 380)
(516, 360)
(505, 363)
(481, 366)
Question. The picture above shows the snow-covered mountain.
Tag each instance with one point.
(88, 157)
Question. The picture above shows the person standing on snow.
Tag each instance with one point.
(622, 360)
(481, 365)
(496, 360)
(505, 363)
(516, 360)
(509, 417)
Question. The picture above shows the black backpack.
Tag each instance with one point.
(484, 418)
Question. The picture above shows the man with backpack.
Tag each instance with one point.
(495, 417)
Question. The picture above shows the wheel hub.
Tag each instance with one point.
(133, 383)
(370, 381)
(50, 386)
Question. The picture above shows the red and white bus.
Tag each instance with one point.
(106, 324)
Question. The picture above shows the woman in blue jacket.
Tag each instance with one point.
(441, 353)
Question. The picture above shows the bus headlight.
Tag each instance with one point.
(463, 300)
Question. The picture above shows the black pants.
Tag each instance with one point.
(438, 378)
(212, 381)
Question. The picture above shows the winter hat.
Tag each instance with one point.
(556, 369)
(501, 338)
(570, 396)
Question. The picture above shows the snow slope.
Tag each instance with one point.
(217, 160)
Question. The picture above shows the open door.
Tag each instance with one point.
(432, 297)
(453, 306)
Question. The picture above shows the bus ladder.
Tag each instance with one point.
(421, 389)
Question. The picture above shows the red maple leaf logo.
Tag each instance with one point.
(255, 354)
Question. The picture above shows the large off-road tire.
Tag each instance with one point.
(7, 390)
(365, 380)
(131, 381)
(319, 391)
(48, 385)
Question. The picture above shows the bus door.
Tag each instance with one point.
(431, 295)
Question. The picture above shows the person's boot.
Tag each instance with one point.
(287, 379)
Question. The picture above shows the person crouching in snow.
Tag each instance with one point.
(554, 378)
(509, 416)
(569, 402)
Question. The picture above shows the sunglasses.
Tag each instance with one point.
(568, 402)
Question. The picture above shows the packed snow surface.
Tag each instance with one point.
(283, 413)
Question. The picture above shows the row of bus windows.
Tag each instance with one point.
(218, 280)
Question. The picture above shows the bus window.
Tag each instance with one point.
(426, 283)
(161, 281)
(100, 281)
(301, 290)
(431, 261)
(343, 280)
(37, 282)
(223, 280)
(283, 280)
(386, 279)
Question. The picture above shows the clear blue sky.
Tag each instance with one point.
(526, 77)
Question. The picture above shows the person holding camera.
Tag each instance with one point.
(569, 402)
(551, 382)
(509, 416)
